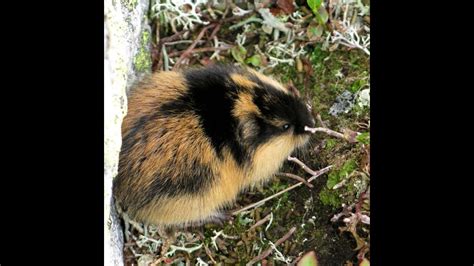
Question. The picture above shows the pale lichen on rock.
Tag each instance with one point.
(142, 60)
(126, 59)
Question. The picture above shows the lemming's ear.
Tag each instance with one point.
(292, 89)
(248, 128)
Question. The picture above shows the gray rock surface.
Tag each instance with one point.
(343, 104)
(126, 58)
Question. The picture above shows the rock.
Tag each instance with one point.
(364, 98)
(343, 104)
(126, 59)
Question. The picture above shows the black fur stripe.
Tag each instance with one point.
(201, 179)
(212, 98)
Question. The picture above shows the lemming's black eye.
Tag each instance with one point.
(286, 126)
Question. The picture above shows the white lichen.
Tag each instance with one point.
(237, 11)
(348, 31)
(272, 21)
(285, 53)
(278, 255)
(217, 234)
(200, 262)
(270, 222)
(150, 243)
(182, 248)
(183, 13)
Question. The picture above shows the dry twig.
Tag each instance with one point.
(350, 135)
(256, 204)
(320, 120)
(201, 50)
(303, 166)
(296, 177)
(191, 47)
(262, 221)
(172, 38)
(269, 250)
(325, 130)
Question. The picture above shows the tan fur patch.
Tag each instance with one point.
(169, 211)
(187, 209)
(245, 106)
(269, 158)
(187, 146)
(150, 93)
(242, 81)
(268, 80)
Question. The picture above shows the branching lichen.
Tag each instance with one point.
(183, 248)
(183, 13)
(347, 31)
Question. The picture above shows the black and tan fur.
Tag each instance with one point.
(192, 141)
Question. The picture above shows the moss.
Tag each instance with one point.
(287, 72)
(330, 144)
(330, 198)
(364, 138)
(338, 175)
(357, 85)
(142, 60)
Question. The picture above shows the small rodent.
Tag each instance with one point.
(193, 140)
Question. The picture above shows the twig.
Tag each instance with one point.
(262, 221)
(296, 177)
(191, 47)
(320, 120)
(214, 31)
(165, 59)
(269, 250)
(201, 50)
(349, 136)
(227, 8)
(325, 130)
(178, 42)
(206, 248)
(315, 175)
(172, 38)
(303, 166)
(208, 252)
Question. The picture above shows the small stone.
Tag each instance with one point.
(364, 98)
(343, 104)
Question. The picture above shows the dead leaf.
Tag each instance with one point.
(206, 61)
(276, 11)
(350, 135)
(307, 66)
(286, 6)
(365, 262)
(308, 259)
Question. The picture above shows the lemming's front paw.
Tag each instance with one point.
(221, 218)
